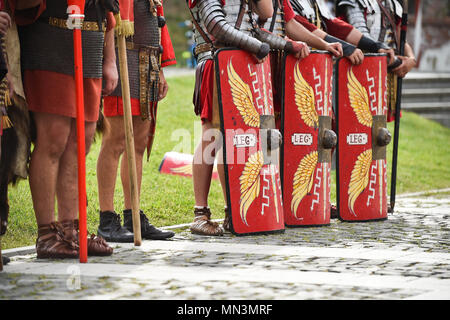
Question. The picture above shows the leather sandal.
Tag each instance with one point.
(97, 246)
(202, 224)
(53, 244)
(227, 221)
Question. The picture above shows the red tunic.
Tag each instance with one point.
(113, 106)
(335, 27)
(289, 13)
(206, 90)
(338, 28)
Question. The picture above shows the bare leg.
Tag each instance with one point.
(203, 165)
(221, 172)
(140, 130)
(52, 134)
(202, 168)
(201, 174)
(148, 231)
(67, 181)
(113, 145)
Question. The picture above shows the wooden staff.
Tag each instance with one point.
(404, 27)
(129, 138)
(1, 259)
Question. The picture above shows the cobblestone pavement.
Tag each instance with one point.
(404, 257)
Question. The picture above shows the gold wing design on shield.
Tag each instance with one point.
(359, 178)
(304, 99)
(250, 182)
(242, 98)
(303, 179)
(186, 169)
(359, 100)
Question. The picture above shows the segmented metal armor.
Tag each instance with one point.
(233, 24)
(273, 30)
(316, 11)
(42, 54)
(367, 17)
(143, 51)
(312, 10)
(217, 24)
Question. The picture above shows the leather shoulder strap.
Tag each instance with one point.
(274, 17)
(391, 22)
(241, 14)
(199, 28)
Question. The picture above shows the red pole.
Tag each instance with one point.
(81, 145)
(77, 18)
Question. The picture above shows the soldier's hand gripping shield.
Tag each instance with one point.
(250, 142)
(361, 125)
(307, 139)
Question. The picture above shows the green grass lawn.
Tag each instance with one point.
(423, 158)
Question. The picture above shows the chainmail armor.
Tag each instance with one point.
(39, 52)
(146, 33)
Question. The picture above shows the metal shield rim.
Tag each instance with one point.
(224, 151)
(283, 114)
(336, 112)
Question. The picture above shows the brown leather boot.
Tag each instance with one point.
(53, 244)
(97, 246)
(202, 224)
(227, 221)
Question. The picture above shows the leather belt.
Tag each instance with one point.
(201, 48)
(135, 46)
(86, 26)
(149, 68)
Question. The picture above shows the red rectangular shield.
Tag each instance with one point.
(306, 164)
(361, 123)
(251, 169)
